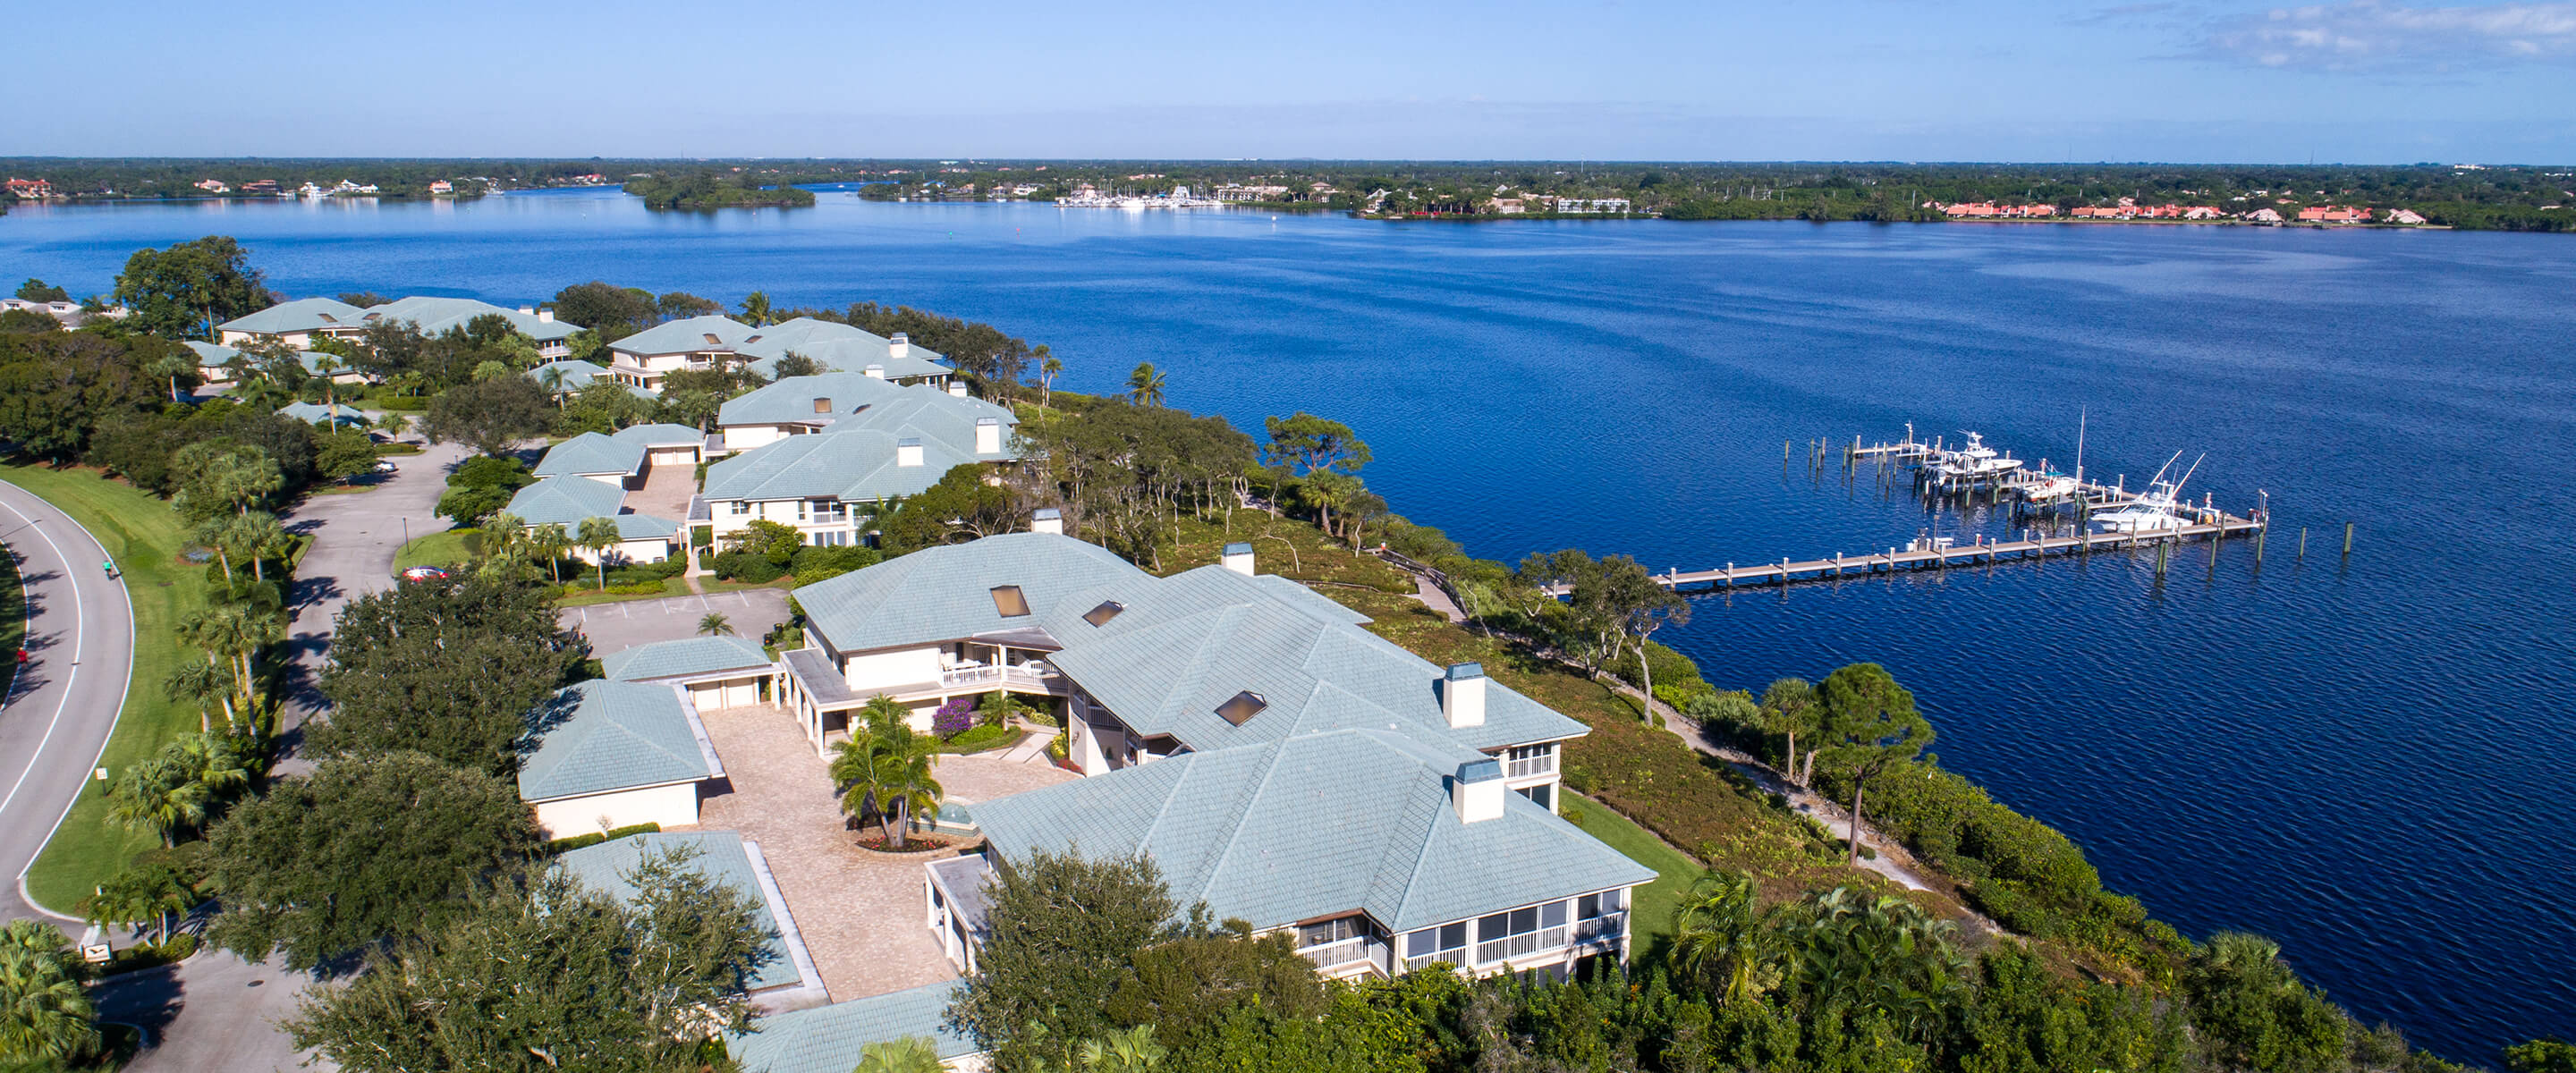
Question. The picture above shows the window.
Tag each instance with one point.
(1526, 760)
(1339, 941)
(1543, 793)
(1330, 931)
(1594, 906)
(1008, 600)
(1447, 942)
(1242, 707)
(1100, 616)
(1519, 933)
(741, 507)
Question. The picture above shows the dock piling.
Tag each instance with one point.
(2347, 539)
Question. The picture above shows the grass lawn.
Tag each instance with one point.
(445, 548)
(143, 534)
(1657, 902)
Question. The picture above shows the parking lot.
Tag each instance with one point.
(751, 612)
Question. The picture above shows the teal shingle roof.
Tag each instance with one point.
(1316, 825)
(314, 413)
(211, 356)
(590, 453)
(661, 435)
(433, 316)
(687, 656)
(944, 593)
(576, 374)
(830, 1039)
(720, 855)
(686, 336)
(598, 736)
(566, 501)
(856, 467)
(792, 401)
(300, 315)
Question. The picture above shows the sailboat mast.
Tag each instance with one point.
(2079, 448)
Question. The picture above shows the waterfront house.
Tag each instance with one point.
(624, 458)
(2405, 216)
(568, 376)
(1275, 759)
(31, 189)
(295, 324)
(605, 754)
(836, 347)
(787, 978)
(2263, 216)
(441, 186)
(435, 316)
(694, 343)
(823, 452)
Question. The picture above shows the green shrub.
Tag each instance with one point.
(748, 568)
(612, 834)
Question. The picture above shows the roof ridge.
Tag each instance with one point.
(1243, 806)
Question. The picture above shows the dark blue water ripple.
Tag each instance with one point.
(2366, 759)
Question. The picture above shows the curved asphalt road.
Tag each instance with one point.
(64, 701)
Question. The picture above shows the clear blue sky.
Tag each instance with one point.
(1567, 79)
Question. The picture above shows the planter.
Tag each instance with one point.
(917, 845)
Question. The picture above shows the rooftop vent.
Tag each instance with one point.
(988, 435)
(1008, 600)
(1047, 520)
(1100, 616)
(907, 451)
(822, 406)
(753, 339)
(545, 316)
(527, 311)
(1238, 558)
(875, 371)
(900, 345)
(1242, 707)
(957, 388)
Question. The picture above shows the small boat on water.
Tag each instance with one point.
(2154, 511)
(2045, 485)
(1971, 466)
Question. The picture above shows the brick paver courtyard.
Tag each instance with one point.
(861, 913)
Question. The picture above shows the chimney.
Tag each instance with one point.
(1462, 695)
(1476, 791)
(876, 371)
(527, 310)
(957, 388)
(907, 452)
(988, 435)
(1238, 558)
(900, 346)
(1047, 520)
(545, 316)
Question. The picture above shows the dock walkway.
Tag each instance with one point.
(1921, 557)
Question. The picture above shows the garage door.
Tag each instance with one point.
(707, 696)
(675, 456)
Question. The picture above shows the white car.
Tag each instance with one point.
(384, 465)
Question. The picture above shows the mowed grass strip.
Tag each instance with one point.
(143, 534)
(1652, 919)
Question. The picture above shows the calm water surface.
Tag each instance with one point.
(2366, 758)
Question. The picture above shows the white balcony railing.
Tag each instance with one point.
(1362, 950)
(1033, 675)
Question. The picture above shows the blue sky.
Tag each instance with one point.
(2362, 81)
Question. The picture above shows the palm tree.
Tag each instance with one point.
(173, 366)
(550, 542)
(885, 770)
(218, 763)
(1721, 934)
(552, 379)
(207, 684)
(714, 624)
(157, 795)
(911, 1054)
(44, 1013)
(235, 633)
(1131, 1050)
(324, 364)
(136, 895)
(260, 535)
(598, 535)
(755, 308)
(1049, 367)
(1145, 385)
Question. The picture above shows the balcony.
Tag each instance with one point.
(1347, 956)
(1034, 675)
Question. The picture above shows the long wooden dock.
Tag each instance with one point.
(1925, 556)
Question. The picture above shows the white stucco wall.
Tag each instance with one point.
(729, 693)
(740, 438)
(629, 551)
(670, 806)
(868, 671)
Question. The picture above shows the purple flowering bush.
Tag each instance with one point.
(953, 718)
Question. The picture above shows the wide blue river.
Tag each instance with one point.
(2368, 758)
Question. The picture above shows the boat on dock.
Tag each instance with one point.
(2158, 509)
(1973, 466)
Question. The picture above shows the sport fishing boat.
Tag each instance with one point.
(2155, 510)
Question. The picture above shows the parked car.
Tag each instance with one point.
(424, 573)
(386, 465)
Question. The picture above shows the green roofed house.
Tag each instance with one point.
(827, 450)
(786, 980)
(841, 348)
(436, 316)
(832, 1039)
(568, 501)
(646, 357)
(606, 754)
(568, 377)
(314, 413)
(717, 672)
(294, 324)
(214, 362)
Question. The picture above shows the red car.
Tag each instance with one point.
(424, 573)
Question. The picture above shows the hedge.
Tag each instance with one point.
(612, 834)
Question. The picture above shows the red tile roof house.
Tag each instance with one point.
(30, 189)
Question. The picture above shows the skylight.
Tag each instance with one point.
(822, 406)
(1100, 616)
(1242, 707)
(1008, 600)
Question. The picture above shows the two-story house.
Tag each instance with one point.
(836, 347)
(645, 358)
(295, 324)
(825, 452)
(1276, 760)
(435, 316)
